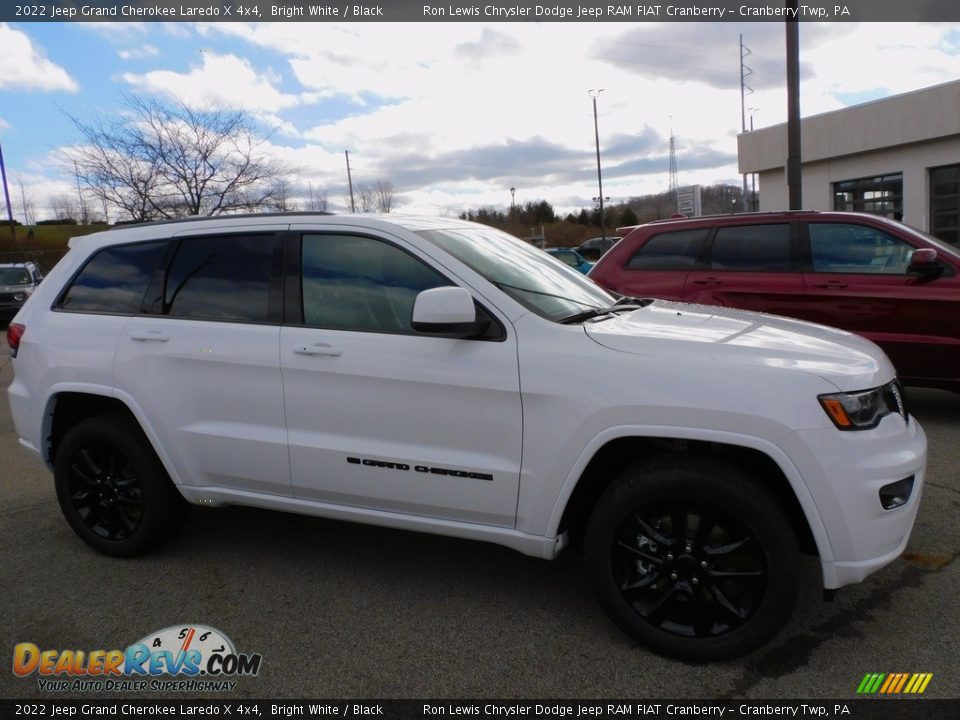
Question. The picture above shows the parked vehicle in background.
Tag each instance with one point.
(437, 375)
(17, 283)
(595, 247)
(569, 256)
(876, 277)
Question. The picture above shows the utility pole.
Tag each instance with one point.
(794, 179)
(353, 207)
(596, 134)
(673, 186)
(83, 205)
(6, 195)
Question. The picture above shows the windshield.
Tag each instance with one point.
(14, 276)
(528, 275)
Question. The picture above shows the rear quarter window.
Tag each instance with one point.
(677, 250)
(113, 280)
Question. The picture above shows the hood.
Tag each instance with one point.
(727, 336)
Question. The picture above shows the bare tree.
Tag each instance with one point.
(64, 207)
(282, 201)
(366, 199)
(161, 161)
(26, 205)
(316, 200)
(384, 195)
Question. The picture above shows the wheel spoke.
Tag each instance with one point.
(724, 602)
(726, 549)
(639, 553)
(652, 532)
(83, 474)
(641, 583)
(83, 498)
(656, 613)
(90, 462)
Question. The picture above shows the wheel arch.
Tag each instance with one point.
(613, 452)
(70, 405)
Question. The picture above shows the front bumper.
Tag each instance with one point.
(844, 472)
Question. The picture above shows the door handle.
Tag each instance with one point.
(708, 281)
(831, 285)
(151, 336)
(318, 349)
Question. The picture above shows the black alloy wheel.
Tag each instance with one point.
(112, 488)
(105, 490)
(692, 557)
(689, 571)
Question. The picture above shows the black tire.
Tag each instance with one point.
(113, 490)
(693, 558)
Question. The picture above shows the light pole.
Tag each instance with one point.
(754, 205)
(596, 135)
(513, 197)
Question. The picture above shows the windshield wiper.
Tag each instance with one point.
(539, 292)
(624, 303)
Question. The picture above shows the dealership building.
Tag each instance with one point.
(898, 157)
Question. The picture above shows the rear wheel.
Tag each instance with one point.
(112, 489)
(694, 559)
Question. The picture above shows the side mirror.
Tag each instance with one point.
(924, 262)
(446, 311)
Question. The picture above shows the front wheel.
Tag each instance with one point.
(112, 489)
(693, 558)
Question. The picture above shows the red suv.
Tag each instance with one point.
(888, 282)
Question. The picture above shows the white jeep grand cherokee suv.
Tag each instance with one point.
(442, 376)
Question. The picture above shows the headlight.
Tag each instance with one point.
(864, 409)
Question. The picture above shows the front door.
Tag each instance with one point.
(382, 417)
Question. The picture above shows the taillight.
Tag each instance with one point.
(15, 333)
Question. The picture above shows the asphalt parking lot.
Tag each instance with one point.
(345, 611)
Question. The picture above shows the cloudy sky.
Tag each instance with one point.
(454, 115)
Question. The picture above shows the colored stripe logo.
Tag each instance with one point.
(894, 683)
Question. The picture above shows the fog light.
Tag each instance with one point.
(896, 494)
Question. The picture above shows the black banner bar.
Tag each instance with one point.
(874, 708)
(256, 11)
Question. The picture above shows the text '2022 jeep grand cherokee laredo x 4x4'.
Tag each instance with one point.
(442, 376)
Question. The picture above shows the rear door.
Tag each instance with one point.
(858, 281)
(752, 267)
(203, 362)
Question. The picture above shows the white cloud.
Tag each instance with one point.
(23, 66)
(138, 53)
(219, 79)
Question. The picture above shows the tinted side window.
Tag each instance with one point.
(846, 248)
(755, 248)
(358, 283)
(114, 279)
(220, 278)
(669, 251)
